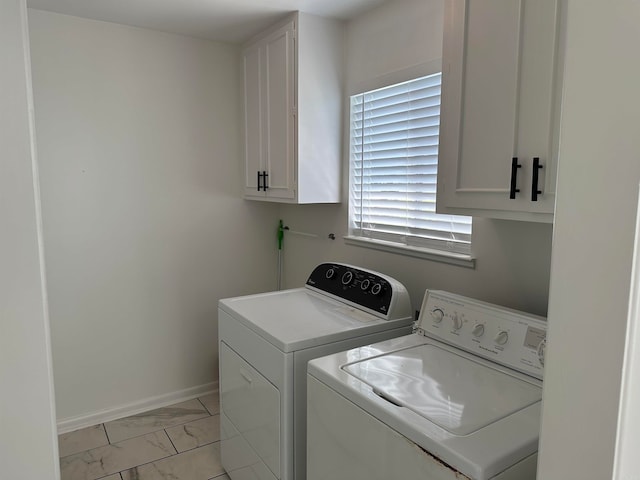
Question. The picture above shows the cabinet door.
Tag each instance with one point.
(252, 60)
(279, 133)
(498, 102)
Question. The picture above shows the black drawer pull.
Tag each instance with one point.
(514, 177)
(534, 179)
(259, 175)
(265, 185)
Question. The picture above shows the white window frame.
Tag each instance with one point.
(406, 244)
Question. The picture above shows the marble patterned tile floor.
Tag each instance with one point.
(178, 442)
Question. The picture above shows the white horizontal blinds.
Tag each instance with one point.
(394, 166)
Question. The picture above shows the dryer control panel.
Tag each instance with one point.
(365, 289)
(503, 335)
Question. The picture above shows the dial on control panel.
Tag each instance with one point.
(457, 321)
(541, 351)
(478, 330)
(437, 315)
(347, 278)
(501, 338)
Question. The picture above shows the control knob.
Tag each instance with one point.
(542, 346)
(364, 285)
(330, 273)
(376, 289)
(437, 315)
(347, 277)
(478, 330)
(457, 321)
(501, 338)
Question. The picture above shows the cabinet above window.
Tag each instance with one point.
(500, 108)
(293, 111)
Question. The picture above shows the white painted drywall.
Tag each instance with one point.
(28, 447)
(144, 223)
(512, 257)
(599, 172)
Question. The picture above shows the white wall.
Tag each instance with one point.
(28, 447)
(144, 224)
(512, 257)
(599, 172)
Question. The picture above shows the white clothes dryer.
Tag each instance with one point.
(458, 399)
(265, 342)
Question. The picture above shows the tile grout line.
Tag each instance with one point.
(146, 463)
(108, 475)
(195, 448)
(104, 428)
(205, 407)
(171, 440)
(219, 476)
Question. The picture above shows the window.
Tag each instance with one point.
(393, 169)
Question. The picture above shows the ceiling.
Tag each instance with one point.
(233, 21)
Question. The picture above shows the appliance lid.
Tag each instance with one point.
(300, 318)
(454, 392)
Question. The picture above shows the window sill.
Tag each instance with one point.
(452, 258)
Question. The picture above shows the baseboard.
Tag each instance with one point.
(81, 421)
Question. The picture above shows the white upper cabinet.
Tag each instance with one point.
(500, 108)
(293, 110)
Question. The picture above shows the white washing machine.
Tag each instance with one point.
(265, 342)
(458, 399)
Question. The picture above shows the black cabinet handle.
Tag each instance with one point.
(264, 176)
(534, 179)
(514, 177)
